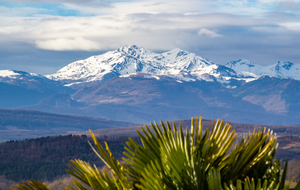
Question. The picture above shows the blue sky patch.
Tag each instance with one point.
(44, 8)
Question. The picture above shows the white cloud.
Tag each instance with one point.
(236, 26)
(66, 44)
(209, 33)
(293, 26)
(113, 31)
(241, 7)
(157, 31)
(276, 1)
(143, 6)
(113, 7)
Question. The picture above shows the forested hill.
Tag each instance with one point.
(47, 158)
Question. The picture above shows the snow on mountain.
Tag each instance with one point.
(287, 70)
(281, 70)
(29, 80)
(177, 63)
(8, 74)
(13, 76)
(245, 68)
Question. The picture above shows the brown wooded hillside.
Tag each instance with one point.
(47, 158)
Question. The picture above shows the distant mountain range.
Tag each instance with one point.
(281, 70)
(138, 85)
(177, 64)
(19, 88)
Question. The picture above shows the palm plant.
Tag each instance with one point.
(199, 159)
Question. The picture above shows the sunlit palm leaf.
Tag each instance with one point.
(92, 177)
(31, 185)
(168, 159)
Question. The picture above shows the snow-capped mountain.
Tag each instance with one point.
(18, 88)
(27, 80)
(281, 70)
(149, 85)
(177, 63)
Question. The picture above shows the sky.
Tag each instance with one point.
(42, 36)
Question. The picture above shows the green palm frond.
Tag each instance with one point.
(31, 185)
(214, 179)
(186, 159)
(138, 157)
(252, 157)
(91, 176)
(202, 158)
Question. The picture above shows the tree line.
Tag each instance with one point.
(47, 158)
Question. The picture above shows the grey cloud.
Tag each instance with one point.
(289, 5)
(153, 4)
(239, 40)
(25, 57)
(261, 48)
(259, 39)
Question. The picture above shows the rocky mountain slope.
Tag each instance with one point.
(136, 84)
(177, 64)
(141, 98)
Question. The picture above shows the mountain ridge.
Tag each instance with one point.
(132, 59)
(20, 88)
(281, 70)
(177, 63)
(136, 84)
(21, 124)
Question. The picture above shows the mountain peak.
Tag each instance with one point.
(285, 64)
(134, 50)
(128, 48)
(14, 73)
(240, 62)
(8, 73)
(179, 51)
(177, 63)
(245, 68)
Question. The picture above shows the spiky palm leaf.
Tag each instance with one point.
(31, 185)
(168, 159)
(91, 176)
(184, 161)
